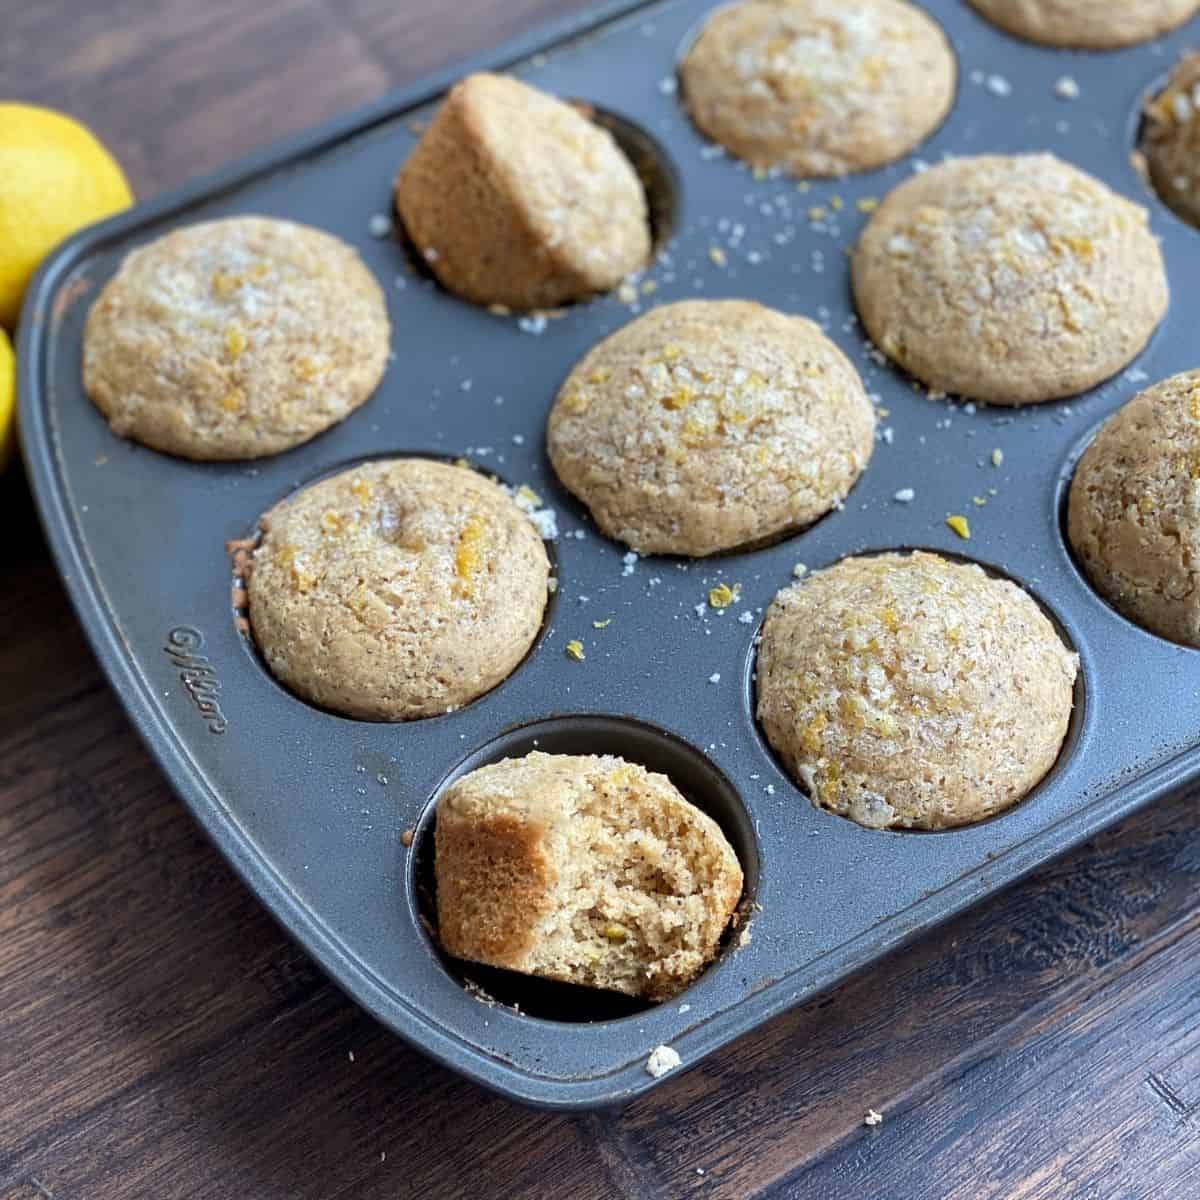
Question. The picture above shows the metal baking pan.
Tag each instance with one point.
(310, 807)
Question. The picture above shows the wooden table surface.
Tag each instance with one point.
(159, 1037)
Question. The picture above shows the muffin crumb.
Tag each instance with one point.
(662, 1060)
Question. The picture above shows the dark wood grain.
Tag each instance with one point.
(159, 1037)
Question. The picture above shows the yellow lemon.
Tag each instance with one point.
(55, 177)
(8, 399)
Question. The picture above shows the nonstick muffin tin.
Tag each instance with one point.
(312, 808)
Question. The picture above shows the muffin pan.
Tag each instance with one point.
(310, 807)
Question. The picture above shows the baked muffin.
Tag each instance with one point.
(515, 198)
(1134, 509)
(1011, 280)
(1087, 24)
(235, 338)
(708, 425)
(397, 589)
(582, 869)
(1170, 141)
(819, 87)
(912, 692)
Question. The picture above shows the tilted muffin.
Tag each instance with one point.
(584, 869)
(235, 339)
(1134, 509)
(707, 425)
(909, 691)
(819, 87)
(1011, 280)
(396, 589)
(1087, 24)
(515, 198)
(1170, 141)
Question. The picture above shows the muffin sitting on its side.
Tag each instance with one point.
(514, 198)
(235, 339)
(583, 869)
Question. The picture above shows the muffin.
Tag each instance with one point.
(913, 692)
(1087, 24)
(708, 425)
(1011, 280)
(1133, 515)
(235, 339)
(515, 198)
(584, 869)
(396, 589)
(1170, 141)
(819, 87)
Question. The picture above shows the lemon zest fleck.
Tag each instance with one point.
(722, 596)
(235, 341)
(467, 555)
(681, 397)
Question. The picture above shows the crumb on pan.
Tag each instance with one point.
(662, 1060)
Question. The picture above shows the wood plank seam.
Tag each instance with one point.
(344, 20)
(1166, 1093)
(31, 721)
(628, 1177)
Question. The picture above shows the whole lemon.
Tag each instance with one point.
(55, 177)
(8, 399)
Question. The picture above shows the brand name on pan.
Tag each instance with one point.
(197, 674)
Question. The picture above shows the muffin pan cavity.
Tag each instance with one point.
(660, 177)
(1161, 133)
(702, 784)
(648, 657)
